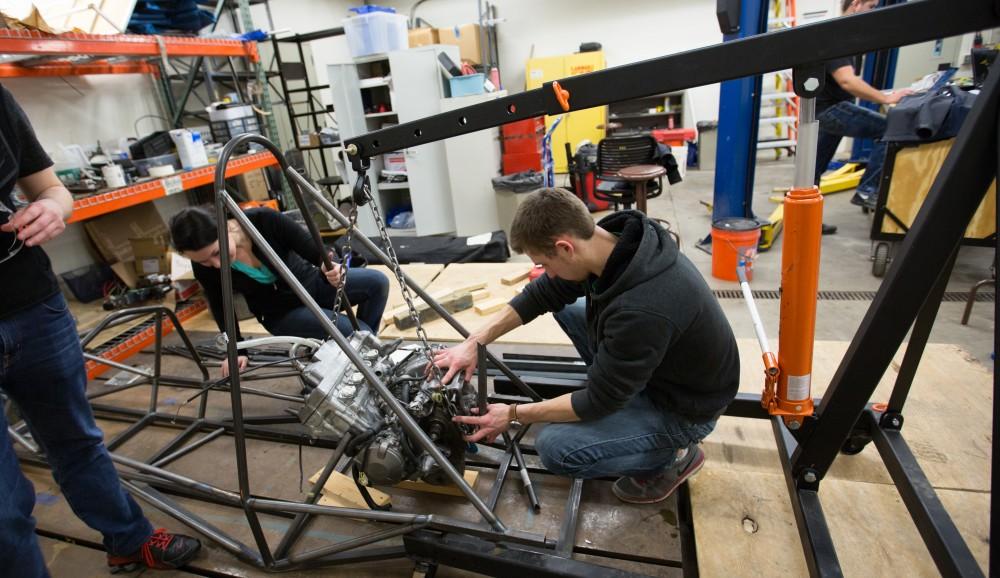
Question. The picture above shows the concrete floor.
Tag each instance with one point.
(845, 263)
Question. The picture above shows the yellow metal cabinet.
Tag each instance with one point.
(578, 125)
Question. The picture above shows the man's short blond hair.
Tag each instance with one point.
(545, 215)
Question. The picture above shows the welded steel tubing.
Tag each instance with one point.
(409, 425)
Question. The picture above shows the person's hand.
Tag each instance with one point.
(458, 358)
(37, 223)
(489, 426)
(333, 275)
(897, 95)
(242, 361)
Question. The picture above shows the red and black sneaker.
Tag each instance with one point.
(162, 551)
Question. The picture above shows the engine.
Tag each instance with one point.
(343, 401)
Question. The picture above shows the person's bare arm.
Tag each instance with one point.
(463, 357)
(45, 217)
(499, 415)
(856, 85)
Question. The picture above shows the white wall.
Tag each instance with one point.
(629, 32)
(83, 109)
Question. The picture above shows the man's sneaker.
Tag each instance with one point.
(162, 551)
(659, 487)
(859, 199)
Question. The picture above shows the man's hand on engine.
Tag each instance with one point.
(459, 358)
(495, 422)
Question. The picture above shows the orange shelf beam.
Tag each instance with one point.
(103, 203)
(70, 69)
(142, 340)
(37, 43)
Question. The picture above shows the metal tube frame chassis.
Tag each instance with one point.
(151, 482)
(844, 419)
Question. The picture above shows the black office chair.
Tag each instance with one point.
(642, 177)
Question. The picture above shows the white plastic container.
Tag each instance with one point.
(376, 33)
(114, 176)
(190, 148)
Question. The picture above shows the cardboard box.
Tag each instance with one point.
(423, 37)
(394, 161)
(253, 185)
(151, 256)
(186, 289)
(309, 139)
(112, 233)
(466, 37)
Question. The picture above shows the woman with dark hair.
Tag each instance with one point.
(194, 234)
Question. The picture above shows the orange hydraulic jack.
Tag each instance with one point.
(788, 377)
(791, 396)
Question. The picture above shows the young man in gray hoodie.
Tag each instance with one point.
(662, 360)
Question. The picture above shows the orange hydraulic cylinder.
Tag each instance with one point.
(803, 228)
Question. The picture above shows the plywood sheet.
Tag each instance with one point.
(740, 498)
(750, 513)
(543, 330)
(422, 273)
(948, 417)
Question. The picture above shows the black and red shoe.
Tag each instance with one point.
(162, 551)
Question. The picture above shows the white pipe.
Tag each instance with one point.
(758, 325)
(312, 344)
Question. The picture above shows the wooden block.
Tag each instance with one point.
(450, 490)
(470, 287)
(340, 490)
(514, 278)
(439, 296)
(487, 307)
(453, 304)
(480, 294)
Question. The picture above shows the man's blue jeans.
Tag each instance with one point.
(848, 119)
(42, 370)
(366, 288)
(639, 440)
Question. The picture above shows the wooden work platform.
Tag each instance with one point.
(743, 517)
(542, 331)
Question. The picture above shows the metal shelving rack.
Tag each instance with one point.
(315, 112)
(32, 54)
(110, 201)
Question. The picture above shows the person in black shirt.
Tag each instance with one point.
(839, 116)
(279, 310)
(42, 371)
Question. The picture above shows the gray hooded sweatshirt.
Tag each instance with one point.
(654, 323)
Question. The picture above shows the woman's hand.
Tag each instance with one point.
(242, 361)
(334, 275)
